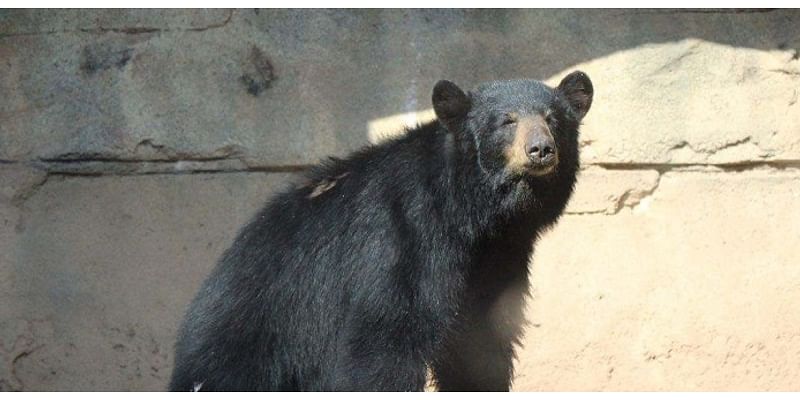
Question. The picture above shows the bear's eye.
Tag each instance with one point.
(509, 120)
(550, 119)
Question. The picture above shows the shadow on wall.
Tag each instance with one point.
(688, 102)
(287, 87)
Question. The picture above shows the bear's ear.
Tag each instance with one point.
(577, 89)
(451, 104)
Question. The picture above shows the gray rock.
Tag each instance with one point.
(97, 273)
(288, 87)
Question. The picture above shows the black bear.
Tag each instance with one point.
(405, 256)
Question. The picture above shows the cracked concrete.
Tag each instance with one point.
(667, 268)
(671, 65)
(675, 295)
(23, 23)
(718, 83)
(134, 143)
(234, 97)
(602, 191)
(19, 340)
(124, 257)
(18, 183)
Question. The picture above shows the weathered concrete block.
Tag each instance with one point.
(99, 271)
(288, 87)
(696, 291)
(22, 22)
(18, 182)
(661, 296)
(181, 95)
(693, 102)
(607, 191)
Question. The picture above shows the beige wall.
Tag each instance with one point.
(131, 151)
(678, 265)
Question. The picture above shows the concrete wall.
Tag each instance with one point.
(133, 144)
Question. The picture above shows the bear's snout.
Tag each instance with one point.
(533, 150)
(541, 149)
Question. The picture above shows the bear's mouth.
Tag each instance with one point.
(542, 168)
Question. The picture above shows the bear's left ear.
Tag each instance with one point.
(451, 105)
(577, 89)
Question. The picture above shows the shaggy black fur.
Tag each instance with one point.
(405, 255)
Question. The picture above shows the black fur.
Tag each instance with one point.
(405, 255)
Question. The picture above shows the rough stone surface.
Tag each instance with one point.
(19, 22)
(669, 106)
(101, 269)
(287, 87)
(602, 191)
(697, 291)
(18, 182)
(134, 143)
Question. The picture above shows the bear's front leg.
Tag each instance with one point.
(374, 368)
(475, 358)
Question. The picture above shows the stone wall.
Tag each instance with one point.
(133, 144)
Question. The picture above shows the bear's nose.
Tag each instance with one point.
(541, 149)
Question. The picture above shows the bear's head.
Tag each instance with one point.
(519, 129)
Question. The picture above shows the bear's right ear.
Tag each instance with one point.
(451, 104)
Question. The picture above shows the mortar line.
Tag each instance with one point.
(124, 30)
(71, 167)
